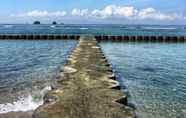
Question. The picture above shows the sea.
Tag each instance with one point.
(28, 70)
(152, 75)
(94, 29)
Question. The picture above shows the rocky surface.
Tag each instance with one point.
(86, 88)
(27, 114)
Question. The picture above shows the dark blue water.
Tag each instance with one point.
(27, 70)
(94, 29)
(155, 75)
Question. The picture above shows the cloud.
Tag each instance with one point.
(109, 11)
(79, 12)
(128, 12)
(113, 10)
(38, 13)
(151, 13)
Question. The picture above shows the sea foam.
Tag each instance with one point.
(29, 103)
(8, 26)
(52, 26)
(83, 28)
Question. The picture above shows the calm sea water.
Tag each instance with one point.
(27, 70)
(93, 29)
(155, 75)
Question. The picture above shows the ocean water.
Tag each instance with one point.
(93, 29)
(28, 70)
(154, 75)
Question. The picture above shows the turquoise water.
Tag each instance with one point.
(27, 70)
(93, 29)
(154, 74)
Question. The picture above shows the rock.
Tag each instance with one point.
(112, 76)
(54, 23)
(68, 69)
(36, 23)
(123, 100)
(87, 93)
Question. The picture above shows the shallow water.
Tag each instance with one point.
(27, 70)
(155, 75)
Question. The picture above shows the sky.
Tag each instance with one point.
(94, 11)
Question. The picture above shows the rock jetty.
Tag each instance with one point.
(86, 88)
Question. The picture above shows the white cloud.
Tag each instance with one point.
(79, 12)
(110, 11)
(38, 13)
(126, 12)
(113, 10)
(132, 13)
(151, 13)
(106, 12)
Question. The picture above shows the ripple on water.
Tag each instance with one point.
(155, 75)
(27, 70)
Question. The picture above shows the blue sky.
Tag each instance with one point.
(94, 11)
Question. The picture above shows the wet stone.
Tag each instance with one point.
(69, 69)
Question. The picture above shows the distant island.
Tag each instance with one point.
(54, 23)
(37, 23)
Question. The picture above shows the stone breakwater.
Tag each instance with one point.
(37, 36)
(86, 88)
(142, 38)
(98, 37)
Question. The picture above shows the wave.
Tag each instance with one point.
(7, 26)
(52, 26)
(28, 103)
(83, 28)
(160, 28)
